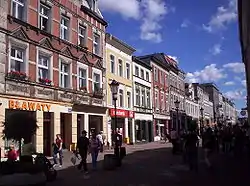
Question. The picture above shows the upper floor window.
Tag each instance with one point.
(127, 70)
(162, 78)
(121, 98)
(96, 81)
(137, 96)
(147, 76)
(120, 70)
(18, 9)
(148, 98)
(64, 75)
(44, 17)
(156, 99)
(143, 97)
(96, 44)
(17, 60)
(43, 67)
(155, 74)
(129, 99)
(112, 64)
(142, 73)
(82, 35)
(82, 78)
(136, 70)
(64, 28)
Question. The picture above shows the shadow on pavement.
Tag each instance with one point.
(158, 167)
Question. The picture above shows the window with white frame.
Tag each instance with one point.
(82, 35)
(96, 44)
(137, 96)
(143, 97)
(82, 78)
(148, 98)
(137, 71)
(142, 73)
(112, 64)
(64, 34)
(96, 82)
(120, 69)
(121, 102)
(129, 99)
(155, 74)
(162, 102)
(17, 62)
(43, 66)
(18, 9)
(44, 15)
(156, 100)
(64, 75)
(147, 76)
(127, 70)
(166, 105)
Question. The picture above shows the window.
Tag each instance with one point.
(129, 99)
(17, 60)
(127, 70)
(97, 81)
(162, 78)
(162, 102)
(143, 97)
(136, 70)
(120, 67)
(96, 44)
(148, 98)
(156, 99)
(64, 28)
(43, 67)
(112, 64)
(142, 73)
(155, 74)
(44, 17)
(18, 9)
(137, 96)
(147, 76)
(82, 78)
(82, 35)
(121, 98)
(64, 75)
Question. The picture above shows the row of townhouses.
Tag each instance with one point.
(57, 62)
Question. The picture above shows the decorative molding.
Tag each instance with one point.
(20, 33)
(67, 52)
(45, 42)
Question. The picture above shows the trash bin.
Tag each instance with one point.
(109, 162)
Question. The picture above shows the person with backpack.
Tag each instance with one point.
(94, 148)
(82, 148)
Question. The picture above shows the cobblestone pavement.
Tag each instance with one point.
(154, 165)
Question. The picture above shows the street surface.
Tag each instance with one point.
(154, 165)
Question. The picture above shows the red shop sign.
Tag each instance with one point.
(121, 113)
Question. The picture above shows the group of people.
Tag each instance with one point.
(226, 139)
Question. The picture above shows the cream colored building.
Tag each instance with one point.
(119, 67)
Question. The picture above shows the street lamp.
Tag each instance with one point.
(114, 86)
(177, 104)
(202, 119)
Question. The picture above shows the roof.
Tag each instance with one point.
(141, 62)
(209, 85)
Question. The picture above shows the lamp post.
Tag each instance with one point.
(114, 86)
(202, 120)
(177, 104)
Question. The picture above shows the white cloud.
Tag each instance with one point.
(174, 58)
(224, 16)
(235, 94)
(185, 23)
(244, 83)
(236, 67)
(149, 13)
(229, 83)
(209, 74)
(216, 49)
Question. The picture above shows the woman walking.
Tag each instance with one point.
(94, 149)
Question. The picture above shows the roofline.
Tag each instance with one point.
(141, 62)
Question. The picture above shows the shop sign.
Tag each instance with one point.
(29, 105)
(122, 113)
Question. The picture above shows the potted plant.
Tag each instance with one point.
(17, 75)
(45, 81)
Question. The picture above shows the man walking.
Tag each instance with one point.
(82, 148)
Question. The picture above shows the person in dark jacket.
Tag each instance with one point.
(82, 149)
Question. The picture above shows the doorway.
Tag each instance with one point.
(66, 130)
(47, 134)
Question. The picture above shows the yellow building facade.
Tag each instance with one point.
(119, 67)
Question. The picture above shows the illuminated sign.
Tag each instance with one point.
(29, 105)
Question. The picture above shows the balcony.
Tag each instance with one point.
(26, 88)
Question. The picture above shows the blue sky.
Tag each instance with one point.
(201, 35)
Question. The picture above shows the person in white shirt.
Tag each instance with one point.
(100, 138)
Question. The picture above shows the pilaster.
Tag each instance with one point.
(74, 127)
(56, 124)
(39, 132)
(2, 119)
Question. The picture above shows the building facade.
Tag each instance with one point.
(54, 67)
(142, 101)
(119, 67)
(229, 111)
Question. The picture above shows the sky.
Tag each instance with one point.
(201, 35)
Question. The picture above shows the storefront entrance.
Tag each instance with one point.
(66, 130)
(48, 137)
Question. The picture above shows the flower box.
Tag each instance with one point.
(83, 89)
(45, 81)
(17, 75)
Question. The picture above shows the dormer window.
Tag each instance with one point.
(94, 5)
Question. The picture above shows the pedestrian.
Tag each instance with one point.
(12, 154)
(82, 149)
(94, 149)
(192, 143)
(174, 138)
(209, 143)
(57, 150)
(100, 138)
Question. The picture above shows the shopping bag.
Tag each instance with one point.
(73, 159)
